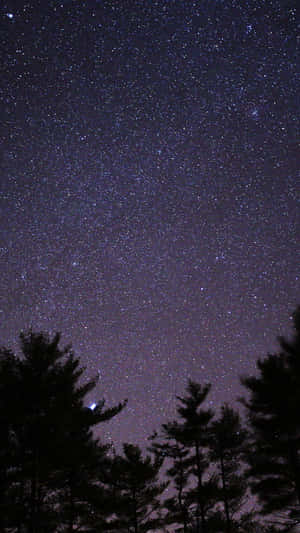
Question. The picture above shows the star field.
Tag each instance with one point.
(150, 190)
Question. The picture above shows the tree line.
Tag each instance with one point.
(200, 473)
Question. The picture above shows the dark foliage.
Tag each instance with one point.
(56, 477)
(47, 450)
(186, 444)
(135, 481)
(273, 411)
(227, 446)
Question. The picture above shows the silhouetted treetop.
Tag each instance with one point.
(273, 411)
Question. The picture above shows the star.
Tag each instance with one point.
(255, 113)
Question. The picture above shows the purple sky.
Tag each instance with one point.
(149, 190)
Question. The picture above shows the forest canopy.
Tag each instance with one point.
(202, 471)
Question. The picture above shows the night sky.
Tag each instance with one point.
(149, 190)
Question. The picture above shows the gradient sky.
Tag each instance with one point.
(150, 190)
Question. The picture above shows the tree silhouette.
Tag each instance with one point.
(9, 379)
(137, 491)
(49, 430)
(226, 450)
(192, 432)
(56, 477)
(273, 410)
(166, 447)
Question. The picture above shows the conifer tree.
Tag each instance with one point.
(177, 454)
(137, 491)
(53, 448)
(226, 451)
(8, 443)
(273, 410)
(192, 431)
(83, 488)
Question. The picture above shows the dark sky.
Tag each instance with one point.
(149, 182)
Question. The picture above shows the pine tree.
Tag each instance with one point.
(226, 451)
(273, 410)
(9, 407)
(192, 432)
(137, 491)
(177, 506)
(53, 449)
(83, 490)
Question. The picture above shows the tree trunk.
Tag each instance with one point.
(180, 500)
(72, 508)
(200, 526)
(135, 517)
(224, 490)
(33, 526)
(295, 468)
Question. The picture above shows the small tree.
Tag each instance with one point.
(177, 506)
(226, 451)
(192, 433)
(137, 491)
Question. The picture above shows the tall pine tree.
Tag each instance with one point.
(137, 491)
(49, 430)
(9, 407)
(273, 410)
(192, 432)
(227, 444)
(178, 471)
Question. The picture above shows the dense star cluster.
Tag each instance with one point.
(149, 190)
